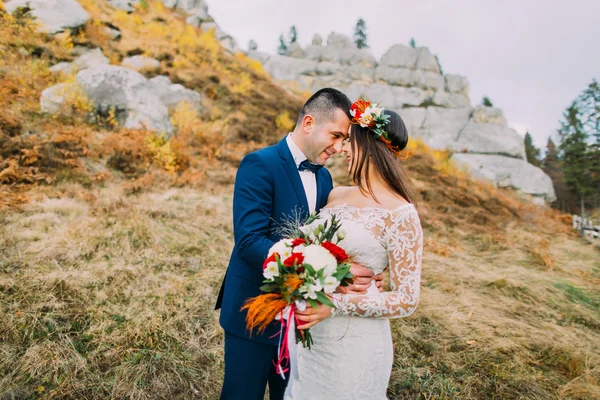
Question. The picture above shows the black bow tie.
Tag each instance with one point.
(307, 165)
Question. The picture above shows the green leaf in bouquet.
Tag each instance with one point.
(309, 268)
(323, 299)
(341, 273)
(268, 288)
(313, 303)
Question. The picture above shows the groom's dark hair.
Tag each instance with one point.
(323, 104)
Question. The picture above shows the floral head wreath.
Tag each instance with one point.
(372, 117)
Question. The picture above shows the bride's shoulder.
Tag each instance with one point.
(337, 194)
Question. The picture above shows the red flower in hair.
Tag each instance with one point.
(339, 253)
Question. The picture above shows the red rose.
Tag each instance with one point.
(297, 258)
(339, 253)
(271, 258)
(298, 242)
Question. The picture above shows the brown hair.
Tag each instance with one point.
(366, 146)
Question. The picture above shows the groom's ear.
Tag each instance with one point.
(308, 123)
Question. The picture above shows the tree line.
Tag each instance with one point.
(573, 163)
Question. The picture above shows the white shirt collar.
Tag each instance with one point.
(296, 152)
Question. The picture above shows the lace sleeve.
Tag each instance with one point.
(404, 241)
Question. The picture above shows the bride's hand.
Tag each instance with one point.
(362, 280)
(311, 317)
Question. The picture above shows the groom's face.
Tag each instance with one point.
(326, 138)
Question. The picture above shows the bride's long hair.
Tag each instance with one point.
(368, 151)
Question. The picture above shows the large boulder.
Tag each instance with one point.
(188, 6)
(414, 118)
(407, 77)
(339, 40)
(173, 94)
(53, 98)
(400, 56)
(426, 61)
(509, 172)
(450, 100)
(289, 69)
(129, 94)
(442, 126)
(490, 139)
(54, 15)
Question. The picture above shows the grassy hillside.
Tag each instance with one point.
(113, 243)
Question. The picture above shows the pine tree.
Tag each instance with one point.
(487, 102)
(282, 49)
(532, 152)
(573, 151)
(360, 34)
(552, 166)
(293, 34)
(412, 43)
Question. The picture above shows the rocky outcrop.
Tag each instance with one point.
(435, 107)
(509, 172)
(53, 15)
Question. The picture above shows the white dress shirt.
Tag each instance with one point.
(309, 180)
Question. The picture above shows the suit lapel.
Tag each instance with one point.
(292, 172)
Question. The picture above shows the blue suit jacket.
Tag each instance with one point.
(268, 191)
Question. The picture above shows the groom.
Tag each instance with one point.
(272, 185)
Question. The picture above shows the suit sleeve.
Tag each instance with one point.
(252, 210)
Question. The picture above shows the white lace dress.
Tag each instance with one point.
(352, 354)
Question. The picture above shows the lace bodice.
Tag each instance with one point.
(376, 238)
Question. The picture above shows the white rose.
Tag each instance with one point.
(283, 248)
(330, 284)
(271, 271)
(320, 259)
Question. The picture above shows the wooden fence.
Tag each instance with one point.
(591, 232)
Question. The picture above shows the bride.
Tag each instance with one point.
(352, 354)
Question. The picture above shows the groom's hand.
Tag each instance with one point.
(362, 280)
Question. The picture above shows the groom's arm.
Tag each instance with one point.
(252, 210)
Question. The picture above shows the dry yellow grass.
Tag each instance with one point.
(110, 266)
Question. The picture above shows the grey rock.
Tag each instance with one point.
(442, 126)
(328, 68)
(229, 44)
(358, 73)
(173, 94)
(457, 84)
(129, 94)
(450, 100)
(400, 56)
(317, 40)
(126, 5)
(91, 58)
(509, 172)
(339, 41)
(285, 68)
(426, 61)
(53, 15)
(488, 115)
(259, 55)
(408, 97)
(490, 139)
(295, 50)
(63, 68)
(198, 18)
(252, 46)
(53, 98)
(139, 63)
(414, 118)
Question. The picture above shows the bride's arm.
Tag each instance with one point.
(404, 238)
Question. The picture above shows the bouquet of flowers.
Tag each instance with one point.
(300, 269)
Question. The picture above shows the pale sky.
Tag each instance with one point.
(531, 57)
